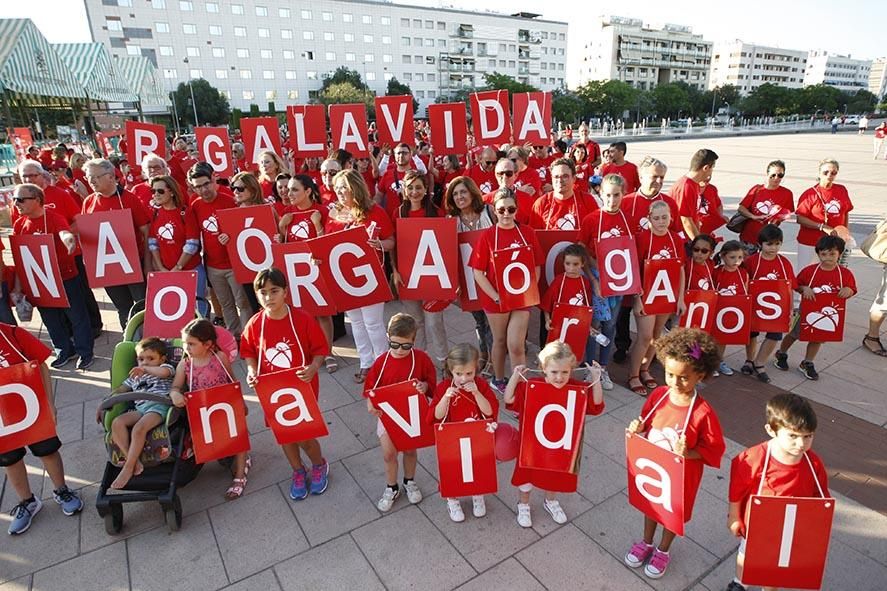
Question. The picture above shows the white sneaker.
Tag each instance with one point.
(455, 509)
(523, 515)
(478, 506)
(388, 497)
(414, 495)
(606, 382)
(554, 509)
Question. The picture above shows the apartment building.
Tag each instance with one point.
(878, 78)
(841, 71)
(747, 66)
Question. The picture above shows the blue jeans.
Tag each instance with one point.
(593, 351)
(78, 317)
(482, 329)
(202, 303)
(5, 311)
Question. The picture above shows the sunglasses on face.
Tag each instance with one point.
(777, 175)
(404, 346)
(829, 172)
(22, 199)
(701, 250)
(159, 191)
(511, 210)
(508, 173)
(238, 188)
(489, 162)
(329, 172)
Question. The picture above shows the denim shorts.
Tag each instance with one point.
(143, 407)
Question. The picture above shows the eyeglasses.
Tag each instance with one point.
(201, 186)
(404, 346)
(829, 172)
(508, 173)
(701, 250)
(238, 188)
(22, 199)
(30, 175)
(777, 175)
(96, 177)
(159, 191)
(511, 210)
(513, 160)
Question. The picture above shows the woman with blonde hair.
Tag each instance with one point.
(270, 165)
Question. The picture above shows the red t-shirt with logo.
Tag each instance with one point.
(699, 204)
(584, 172)
(391, 184)
(376, 218)
(171, 228)
(120, 200)
(50, 223)
(731, 282)
(701, 276)
(463, 406)
(822, 281)
(482, 256)
(301, 227)
(566, 290)
(541, 166)
(776, 204)
(485, 181)
(627, 171)
(668, 246)
(779, 268)
(525, 205)
(15, 342)
(551, 213)
(215, 254)
(415, 366)
(830, 206)
(600, 225)
(637, 207)
(529, 178)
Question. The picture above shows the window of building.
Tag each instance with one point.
(503, 48)
(189, 29)
(186, 6)
(311, 75)
(417, 59)
(543, 66)
(327, 16)
(165, 50)
(417, 41)
(385, 21)
(158, 4)
(330, 56)
(290, 74)
(261, 11)
(442, 43)
(266, 54)
(561, 37)
(501, 63)
(432, 94)
(212, 7)
(405, 41)
(192, 51)
(388, 76)
(419, 93)
(246, 74)
(386, 39)
(367, 38)
(511, 63)
(194, 74)
(270, 95)
(308, 35)
(371, 76)
(133, 50)
(369, 58)
(408, 76)
(306, 14)
(420, 77)
(237, 9)
(268, 74)
(218, 52)
(292, 95)
(404, 22)
(286, 33)
(215, 30)
(240, 31)
(349, 37)
(161, 27)
(429, 24)
(441, 26)
(221, 74)
(170, 73)
(429, 42)
(387, 58)
(243, 53)
(350, 57)
(308, 55)
(283, 12)
(264, 33)
(417, 23)
(248, 95)
(347, 18)
(366, 19)
(432, 77)
(289, 54)
(406, 59)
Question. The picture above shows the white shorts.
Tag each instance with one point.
(380, 428)
(880, 302)
(742, 547)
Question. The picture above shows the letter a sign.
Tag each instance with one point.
(218, 422)
(290, 407)
(655, 482)
(25, 414)
(403, 415)
(465, 458)
(110, 251)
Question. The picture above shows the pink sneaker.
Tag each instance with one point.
(658, 564)
(638, 554)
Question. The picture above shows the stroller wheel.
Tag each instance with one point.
(173, 514)
(114, 519)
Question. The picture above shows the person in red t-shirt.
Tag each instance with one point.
(464, 396)
(557, 362)
(619, 165)
(540, 160)
(825, 277)
(594, 149)
(527, 180)
(390, 185)
(770, 203)
(506, 176)
(822, 211)
(68, 327)
(152, 166)
(270, 165)
(676, 418)
(584, 168)
(401, 363)
(281, 337)
(565, 206)
(689, 192)
(329, 168)
(636, 205)
(880, 134)
(483, 173)
(783, 466)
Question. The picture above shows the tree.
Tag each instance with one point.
(396, 88)
(672, 99)
(345, 92)
(567, 106)
(344, 75)
(609, 98)
(496, 81)
(820, 97)
(862, 101)
(212, 105)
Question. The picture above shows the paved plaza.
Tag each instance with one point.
(339, 540)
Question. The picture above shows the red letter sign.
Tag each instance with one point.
(516, 278)
(403, 415)
(732, 324)
(532, 117)
(822, 318)
(25, 412)
(470, 296)
(570, 324)
(700, 309)
(787, 541)
(259, 133)
(307, 289)
(662, 279)
(290, 407)
(465, 458)
(427, 258)
(250, 231)
(169, 303)
(37, 268)
(218, 422)
(348, 124)
(307, 126)
(771, 305)
(394, 120)
(110, 251)
(553, 242)
(449, 133)
(350, 268)
(214, 147)
(490, 117)
(143, 139)
(551, 427)
(655, 482)
(618, 264)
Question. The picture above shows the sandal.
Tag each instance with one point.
(331, 364)
(761, 375)
(247, 465)
(648, 380)
(361, 376)
(235, 491)
(748, 368)
(640, 389)
(880, 351)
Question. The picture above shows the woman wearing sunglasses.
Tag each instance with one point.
(823, 209)
(509, 327)
(767, 203)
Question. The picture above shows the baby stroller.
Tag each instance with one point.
(168, 456)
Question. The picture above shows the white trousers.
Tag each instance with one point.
(368, 329)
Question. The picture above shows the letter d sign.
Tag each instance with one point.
(25, 415)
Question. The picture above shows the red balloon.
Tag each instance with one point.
(507, 442)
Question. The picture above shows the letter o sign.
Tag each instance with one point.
(181, 308)
(522, 271)
(722, 313)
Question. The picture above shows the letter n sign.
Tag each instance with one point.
(656, 482)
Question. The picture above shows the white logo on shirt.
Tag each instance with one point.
(611, 233)
(486, 187)
(279, 355)
(300, 230)
(665, 438)
(729, 290)
(568, 222)
(211, 225)
(577, 300)
(764, 207)
(644, 223)
(826, 319)
(833, 207)
(167, 231)
(662, 254)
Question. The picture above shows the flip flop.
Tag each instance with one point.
(880, 351)
(648, 380)
(361, 376)
(331, 364)
(640, 389)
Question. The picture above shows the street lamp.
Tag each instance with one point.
(193, 102)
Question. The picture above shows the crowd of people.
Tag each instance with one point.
(510, 193)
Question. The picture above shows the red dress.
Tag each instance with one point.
(496, 238)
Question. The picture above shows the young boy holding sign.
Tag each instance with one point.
(401, 363)
(784, 466)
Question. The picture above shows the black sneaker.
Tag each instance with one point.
(781, 361)
(85, 362)
(619, 356)
(808, 370)
(219, 321)
(734, 586)
(62, 360)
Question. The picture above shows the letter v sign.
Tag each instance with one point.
(403, 415)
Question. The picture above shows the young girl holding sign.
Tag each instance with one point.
(657, 243)
(203, 367)
(465, 396)
(700, 267)
(557, 362)
(676, 418)
(730, 279)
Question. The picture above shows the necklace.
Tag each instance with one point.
(471, 225)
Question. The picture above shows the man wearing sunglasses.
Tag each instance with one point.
(539, 161)
(483, 173)
(152, 166)
(68, 328)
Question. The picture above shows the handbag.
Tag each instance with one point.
(737, 221)
(875, 244)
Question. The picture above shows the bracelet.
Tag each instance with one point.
(820, 227)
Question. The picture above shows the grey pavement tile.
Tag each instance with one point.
(428, 460)
(105, 569)
(137, 518)
(564, 559)
(35, 480)
(508, 574)
(255, 418)
(848, 569)
(24, 554)
(481, 541)
(600, 477)
(361, 423)
(332, 393)
(860, 528)
(255, 532)
(186, 559)
(338, 564)
(606, 435)
(69, 423)
(263, 581)
(341, 442)
(708, 528)
(615, 525)
(368, 471)
(628, 412)
(22, 584)
(84, 463)
(343, 507)
(407, 551)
